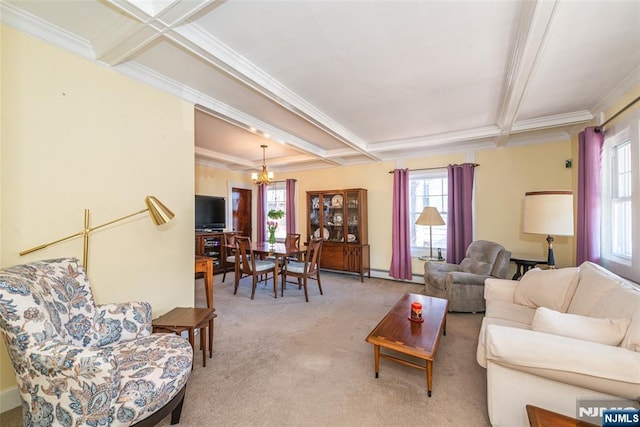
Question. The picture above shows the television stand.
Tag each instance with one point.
(211, 244)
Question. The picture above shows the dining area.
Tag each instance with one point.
(278, 262)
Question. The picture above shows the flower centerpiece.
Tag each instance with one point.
(272, 224)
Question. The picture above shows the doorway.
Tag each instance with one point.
(241, 206)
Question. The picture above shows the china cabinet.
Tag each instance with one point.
(339, 217)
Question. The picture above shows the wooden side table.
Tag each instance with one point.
(204, 264)
(524, 264)
(539, 417)
(188, 319)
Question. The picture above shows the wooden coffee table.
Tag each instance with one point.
(396, 332)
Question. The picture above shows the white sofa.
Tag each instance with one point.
(556, 337)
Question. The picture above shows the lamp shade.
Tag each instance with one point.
(160, 214)
(430, 216)
(548, 212)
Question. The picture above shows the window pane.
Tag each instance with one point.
(427, 190)
(623, 165)
(621, 188)
(276, 199)
(621, 238)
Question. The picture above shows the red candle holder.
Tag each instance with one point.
(416, 312)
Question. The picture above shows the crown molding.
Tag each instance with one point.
(607, 98)
(541, 138)
(552, 121)
(215, 155)
(444, 150)
(203, 161)
(436, 140)
(45, 31)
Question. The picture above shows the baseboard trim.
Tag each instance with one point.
(9, 399)
(384, 274)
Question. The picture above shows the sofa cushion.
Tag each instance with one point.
(481, 355)
(622, 301)
(497, 309)
(547, 288)
(594, 283)
(600, 330)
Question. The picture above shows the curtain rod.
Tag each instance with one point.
(441, 167)
(599, 128)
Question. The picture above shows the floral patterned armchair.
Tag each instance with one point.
(77, 363)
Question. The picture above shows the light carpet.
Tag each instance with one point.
(285, 362)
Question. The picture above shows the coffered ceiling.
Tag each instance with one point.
(345, 82)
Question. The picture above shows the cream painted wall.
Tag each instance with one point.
(77, 135)
(379, 184)
(501, 180)
(504, 176)
(215, 182)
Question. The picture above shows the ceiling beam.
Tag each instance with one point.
(213, 51)
(535, 22)
(147, 22)
(131, 37)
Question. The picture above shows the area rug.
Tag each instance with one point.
(286, 362)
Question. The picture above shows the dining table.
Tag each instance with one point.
(280, 252)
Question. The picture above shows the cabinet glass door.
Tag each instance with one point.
(315, 214)
(333, 217)
(353, 217)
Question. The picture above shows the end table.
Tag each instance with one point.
(188, 319)
(524, 264)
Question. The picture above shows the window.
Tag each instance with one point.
(621, 199)
(428, 188)
(620, 228)
(277, 199)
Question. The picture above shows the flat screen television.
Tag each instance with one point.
(211, 213)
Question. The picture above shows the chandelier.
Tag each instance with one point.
(265, 177)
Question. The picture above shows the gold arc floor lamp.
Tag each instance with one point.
(159, 213)
(430, 216)
(550, 213)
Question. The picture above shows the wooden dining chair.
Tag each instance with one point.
(304, 270)
(293, 239)
(229, 253)
(248, 265)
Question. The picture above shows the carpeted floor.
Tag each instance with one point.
(285, 362)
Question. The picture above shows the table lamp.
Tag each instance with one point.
(430, 216)
(550, 213)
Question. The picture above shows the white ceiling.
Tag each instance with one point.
(347, 82)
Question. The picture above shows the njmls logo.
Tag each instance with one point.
(617, 413)
(621, 418)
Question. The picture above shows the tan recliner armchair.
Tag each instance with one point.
(463, 285)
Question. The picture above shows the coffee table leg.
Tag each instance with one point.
(429, 376)
(376, 358)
